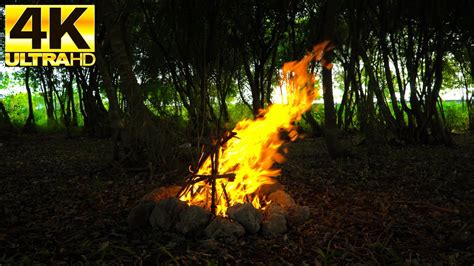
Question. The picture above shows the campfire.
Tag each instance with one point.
(234, 190)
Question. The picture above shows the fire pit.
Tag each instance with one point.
(165, 212)
(233, 190)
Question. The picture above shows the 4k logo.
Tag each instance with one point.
(49, 35)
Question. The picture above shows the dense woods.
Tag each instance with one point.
(175, 72)
(191, 66)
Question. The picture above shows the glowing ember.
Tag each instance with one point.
(252, 153)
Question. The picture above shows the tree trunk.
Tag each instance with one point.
(80, 93)
(390, 86)
(30, 121)
(331, 131)
(471, 118)
(95, 116)
(377, 91)
(344, 108)
(5, 122)
(330, 127)
(470, 107)
(139, 124)
(71, 98)
(316, 128)
(114, 109)
(48, 100)
(438, 129)
(68, 114)
(62, 107)
(468, 96)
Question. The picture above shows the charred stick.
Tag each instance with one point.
(199, 178)
(213, 182)
(230, 176)
(224, 139)
(225, 195)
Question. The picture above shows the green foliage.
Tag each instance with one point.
(4, 80)
(456, 115)
(17, 107)
(239, 111)
(317, 111)
(451, 74)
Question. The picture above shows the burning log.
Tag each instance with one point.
(216, 145)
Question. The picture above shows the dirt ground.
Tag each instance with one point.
(61, 202)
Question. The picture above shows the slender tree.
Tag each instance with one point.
(30, 125)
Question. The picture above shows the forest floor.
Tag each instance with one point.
(60, 203)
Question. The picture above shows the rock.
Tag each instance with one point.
(266, 189)
(192, 219)
(159, 194)
(224, 229)
(186, 145)
(166, 213)
(246, 215)
(282, 198)
(274, 224)
(274, 221)
(274, 208)
(139, 216)
(160, 219)
(297, 215)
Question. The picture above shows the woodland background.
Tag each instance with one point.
(388, 155)
(170, 72)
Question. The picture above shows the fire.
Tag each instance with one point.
(251, 154)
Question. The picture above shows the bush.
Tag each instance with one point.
(456, 115)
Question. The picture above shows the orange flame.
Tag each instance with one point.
(252, 153)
